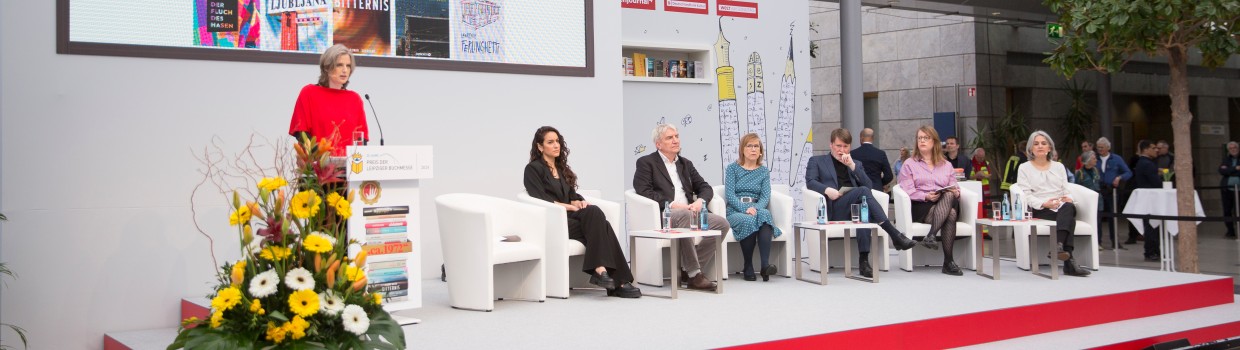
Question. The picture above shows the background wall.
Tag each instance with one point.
(696, 109)
(99, 164)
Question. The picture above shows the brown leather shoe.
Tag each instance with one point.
(700, 282)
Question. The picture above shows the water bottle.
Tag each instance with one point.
(667, 216)
(1007, 208)
(1018, 211)
(822, 211)
(702, 219)
(865, 210)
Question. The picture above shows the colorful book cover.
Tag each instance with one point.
(386, 264)
(379, 231)
(387, 237)
(373, 224)
(363, 25)
(377, 211)
(295, 25)
(479, 30)
(387, 278)
(375, 249)
(422, 28)
(388, 286)
(394, 271)
(227, 23)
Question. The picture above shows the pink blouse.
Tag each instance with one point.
(918, 179)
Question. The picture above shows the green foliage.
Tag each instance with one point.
(21, 332)
(1077, 122)
(1104, 34)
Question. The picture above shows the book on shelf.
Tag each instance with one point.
(391, 271)
(639, 64)
(649, 67)
(379, 231)
(379, 265)
(387, 237)
(673, 69)
(388, 286)
(691, 69)
(391, 247)
(660, 69)
(385, 223)
(699, 70)
(373, 211)
(681, 73)
(628, 66)
(387, 278)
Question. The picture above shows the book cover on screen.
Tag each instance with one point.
(478, 30)
(363, 25)
(227, 23)
(422, 28)
(295, 25)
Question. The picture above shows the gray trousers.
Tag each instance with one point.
(694, 257)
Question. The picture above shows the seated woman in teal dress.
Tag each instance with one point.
(747, 190)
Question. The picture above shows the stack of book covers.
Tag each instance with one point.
(388, 246)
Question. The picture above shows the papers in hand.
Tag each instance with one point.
(940, 190)
(509, 238)
(844, 190)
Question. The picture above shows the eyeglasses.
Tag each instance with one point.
(923, 138)
(753, 146)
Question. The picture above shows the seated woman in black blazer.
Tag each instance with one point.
(548, 177)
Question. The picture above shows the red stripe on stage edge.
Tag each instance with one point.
(112, 344)
(1000, 324)
(700, 7)
(1194, 336)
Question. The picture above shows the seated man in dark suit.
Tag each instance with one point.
(828, 174)
(669, 179)
(873, 160)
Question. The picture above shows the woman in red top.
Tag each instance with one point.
(327, 110)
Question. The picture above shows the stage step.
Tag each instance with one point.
(147, 339)
(1198, 326)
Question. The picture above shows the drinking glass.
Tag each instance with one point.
(1028, 213)
(693, 222)
(359, 138)
(856, 213)
(996, 209)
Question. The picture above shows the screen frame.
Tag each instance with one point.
(66, 47)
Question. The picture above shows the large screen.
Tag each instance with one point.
(516, 36)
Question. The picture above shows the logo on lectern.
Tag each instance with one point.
(370, 191)
(355, 162)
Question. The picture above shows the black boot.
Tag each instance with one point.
(950, 268)
(603, 280)
(1071, 269)
(866, 270)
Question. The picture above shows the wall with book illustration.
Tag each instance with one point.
(98, 162)
(756, 80)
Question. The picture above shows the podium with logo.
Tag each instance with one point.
(386, 220)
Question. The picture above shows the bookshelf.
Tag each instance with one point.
(672, 51)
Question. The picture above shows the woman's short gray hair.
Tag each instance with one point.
(1052, 155)
(659, 130)
(328, 59)
(1102, 141)
(1086, 156)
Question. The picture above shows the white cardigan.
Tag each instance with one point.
(1040, 186)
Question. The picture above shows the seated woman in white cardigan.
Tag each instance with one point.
(1044, 184)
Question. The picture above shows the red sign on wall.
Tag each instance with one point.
(637, 4)
(737, 9)
(687, 6)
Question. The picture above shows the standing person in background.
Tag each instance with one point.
(1230, 170)
(899, 163)
(952, 151)
(1013, 163)
(328, 110)
(1113, 171)
(1164, 159)
(1145, 175)
(1085, 147)
(874, 160)
(1089, 177)
(981, 172)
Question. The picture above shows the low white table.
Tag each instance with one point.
(1033, 246)
(673, 236)
(876, 242)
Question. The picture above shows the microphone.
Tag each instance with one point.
(376, 114)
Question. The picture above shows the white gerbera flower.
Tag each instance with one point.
(264, 284)
(329, 238)
(330, 303)
(299, 279)
(355, 319)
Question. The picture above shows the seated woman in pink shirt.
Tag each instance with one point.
(930, 182)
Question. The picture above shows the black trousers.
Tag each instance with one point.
(1065, 223)
(1229, 209)
(1153, 236)
(841, 209)
(590, 227)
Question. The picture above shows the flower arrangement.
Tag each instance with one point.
(1166, 174)
(296, 286)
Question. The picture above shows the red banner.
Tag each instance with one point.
(737, 9)
(637, 4)
(687, 6)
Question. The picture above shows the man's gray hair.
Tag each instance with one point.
(1052, 155)
(1086, 156)
(1102, 141)
(659, 130)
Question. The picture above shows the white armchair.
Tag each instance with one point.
(483, 268)
(835, 253)
(781, 247)
(966, 220)
(1085, 239)
(643, 213)
(564, 255)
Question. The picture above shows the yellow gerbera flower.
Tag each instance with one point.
(317, 244)
(217, 318)
(305, 204)
(297, 327)
(226, 299)
(240, 217)
(352, 273)
(272, 183)
(304, 302)
(343, 208)
(275, 333)
(332, 198)
(378, 298)
(274, 253)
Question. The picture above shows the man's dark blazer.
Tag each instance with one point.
(820, 174)
(653, 181)
(876, 165)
